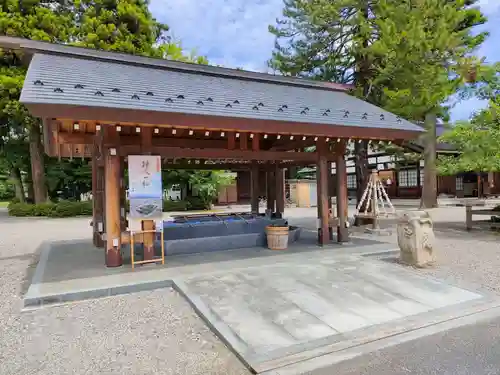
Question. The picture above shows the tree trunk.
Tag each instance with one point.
(361, 148)
(429, 191)
(37, 165)
(15, 176)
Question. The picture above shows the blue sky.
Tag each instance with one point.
(234, 33)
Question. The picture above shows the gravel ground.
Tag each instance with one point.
(157, 332)
(153, 332)
(467, 259)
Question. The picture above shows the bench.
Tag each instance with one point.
(469, 223)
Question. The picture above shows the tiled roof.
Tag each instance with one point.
(55, 79)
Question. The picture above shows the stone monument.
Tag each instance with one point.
(416, 238)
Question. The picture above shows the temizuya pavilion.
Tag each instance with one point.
(105, 106)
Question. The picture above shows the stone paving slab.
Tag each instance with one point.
(74, 270)
(276, 315)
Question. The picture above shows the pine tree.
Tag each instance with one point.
(334, 40)
(421, 48)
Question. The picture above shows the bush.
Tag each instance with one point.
(170, 205)
(49, 209)
(70, 208)
(197, 203)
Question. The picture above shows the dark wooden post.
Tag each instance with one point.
(147, 225)
(271, 186)
(279, 176)
(322, 172)
(254, 191)
(123, 196)
(98, 223)
(112, 200)
(342, 232)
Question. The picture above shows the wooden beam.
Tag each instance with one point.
(243, 141)
(256, 142)
(134, 139)
(185, 153)
(146, 140)
(227, 123)
(112, 201)
(231, 140)
(340, 166)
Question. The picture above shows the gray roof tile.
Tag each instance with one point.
(53, 79)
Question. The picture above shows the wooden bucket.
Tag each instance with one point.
(277, 237)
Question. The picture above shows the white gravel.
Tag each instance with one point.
(467, 259)
(157, 332)
(153, 332)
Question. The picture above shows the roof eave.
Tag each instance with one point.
(171, 119)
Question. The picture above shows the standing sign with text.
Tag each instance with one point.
(145, 186)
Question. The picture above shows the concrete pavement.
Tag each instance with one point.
(467, 350)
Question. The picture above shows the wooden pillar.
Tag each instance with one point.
(279, 176)
(330, 189)
(342, 232)
(271, 186)
(254, 191)
(98, 189)
(123, 196)
(322, 180)
(112, 199)
(147, 225)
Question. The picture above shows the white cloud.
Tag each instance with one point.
(489, 6)
(232, 33)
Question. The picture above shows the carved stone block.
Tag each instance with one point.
(416, 238)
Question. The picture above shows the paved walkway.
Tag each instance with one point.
(276, 315)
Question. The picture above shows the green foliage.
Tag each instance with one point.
(6, 190)
(49, 209)
(67, 179)
(421, 49)
(115, 25)
(207, 183)
(477, 140)
(478, 143)
(204, 184)
(84, 208)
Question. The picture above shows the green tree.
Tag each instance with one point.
(116, 25)
(338, 40)
(422, 48)
(477, 140)
(330, 40)
(39, 20)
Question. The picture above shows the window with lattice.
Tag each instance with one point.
(351, 181)
(408, 178)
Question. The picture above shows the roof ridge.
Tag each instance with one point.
(157, 63)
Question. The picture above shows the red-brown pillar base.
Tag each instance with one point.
(113, 257)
